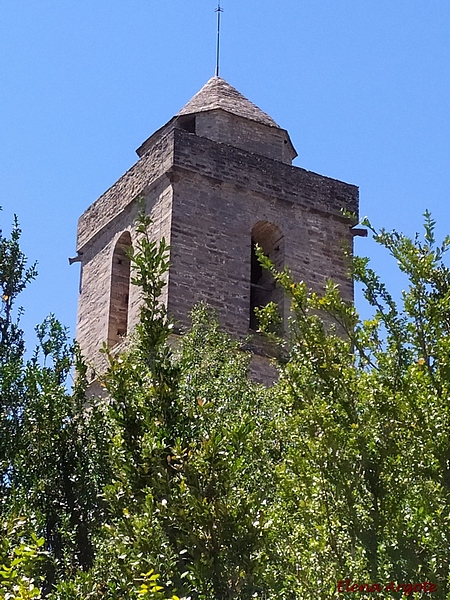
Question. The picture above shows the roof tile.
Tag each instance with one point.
(217, 93)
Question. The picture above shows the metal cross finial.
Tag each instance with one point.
(219, 10)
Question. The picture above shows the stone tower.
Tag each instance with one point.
(216, 179)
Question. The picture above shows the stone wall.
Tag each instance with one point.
(205, 197)
(94, 298)
(219, 194)
(257, 138)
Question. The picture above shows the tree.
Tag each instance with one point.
(191, 473)
(367, 473)
(14, 277)
(52, 447)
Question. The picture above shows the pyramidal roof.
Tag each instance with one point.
(217, 93)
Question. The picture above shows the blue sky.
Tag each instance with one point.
(363, 87)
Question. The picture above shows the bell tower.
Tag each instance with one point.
(216, 180)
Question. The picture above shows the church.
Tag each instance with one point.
(216, 180)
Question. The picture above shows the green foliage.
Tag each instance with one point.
(61, 457)
(14, 277)
(52, 444)
(19, 559)
(368, 473)
(189, 481)
(186, 499)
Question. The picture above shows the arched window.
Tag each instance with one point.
(120, 290)
(263, 288)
